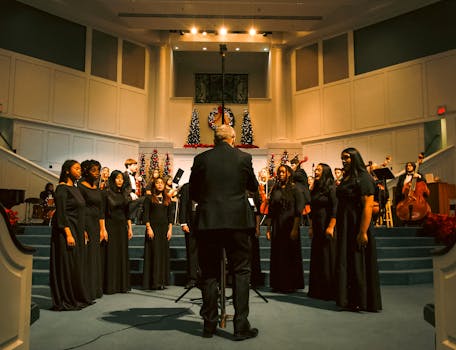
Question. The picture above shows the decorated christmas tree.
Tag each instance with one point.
(153, 164)
(194, 130)
(247, 131)
(167, 166)
(284, 159)
(271, 166)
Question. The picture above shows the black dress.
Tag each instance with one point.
(66, 263)
(286, 271)
(117, 265)
(94, 212)
(156, 250)
(358, 284)
(323, 253)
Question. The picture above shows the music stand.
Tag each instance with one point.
(383, 174)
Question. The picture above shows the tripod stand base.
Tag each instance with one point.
(185, 293)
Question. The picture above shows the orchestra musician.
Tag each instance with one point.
(47, 202)
(411, 193)
(133, 184)
(405, 179)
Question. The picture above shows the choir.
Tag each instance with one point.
(93, 218)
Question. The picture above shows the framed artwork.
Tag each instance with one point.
(208, 88)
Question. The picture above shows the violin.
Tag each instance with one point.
(264, 206)
(414, 206)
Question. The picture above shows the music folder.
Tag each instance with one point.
(178, 176)
(383, 173)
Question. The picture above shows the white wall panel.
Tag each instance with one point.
(332, 152)
(132, 114)
(337, 114)
(441, 83)
(260, 114)
(16, 175)
(380, 146)
(361, 143)
(105, 153)
(5, 71)
(69, 99)
(37, 181)
(314, 153)
(369, 101)
(409, 144)
(102, 107)
(58, 147)
(405, 97)
(181, 113)
(83, 148)
(308, 114)
(31, 143)
(32, 88)
(125, 151)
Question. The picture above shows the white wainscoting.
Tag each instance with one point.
(49, 146)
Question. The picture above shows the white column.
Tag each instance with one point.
(280, 94)
(159, 93)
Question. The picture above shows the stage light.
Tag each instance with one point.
(193, 30)
(252, 31)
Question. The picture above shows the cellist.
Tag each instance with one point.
(404, 181)
(413, 190)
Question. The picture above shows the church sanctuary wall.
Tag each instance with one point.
(384, 107)
(97, 109)
(380, 106)
(59, 113)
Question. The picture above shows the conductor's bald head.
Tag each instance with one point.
(224, 133)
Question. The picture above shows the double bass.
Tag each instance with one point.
(414, 206)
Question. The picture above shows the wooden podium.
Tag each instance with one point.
(440, 196)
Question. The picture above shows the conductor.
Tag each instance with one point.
(218, 183)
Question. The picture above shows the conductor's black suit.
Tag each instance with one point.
(224, 219)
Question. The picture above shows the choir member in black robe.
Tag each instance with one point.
(118, 226)
(358, 285)
(68, 243)
(323, 251)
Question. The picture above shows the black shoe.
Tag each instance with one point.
(209, 329)
(190, 284)
(208, 333)
(243, 335)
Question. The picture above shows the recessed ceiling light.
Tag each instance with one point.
(176, 47)
(204, 33)
(223, 31)
(265, 49)
(237, 48)
(204, 48)
(252, 31)
(193, 30)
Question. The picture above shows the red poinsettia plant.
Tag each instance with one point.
(442, 227)
(12, 216)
